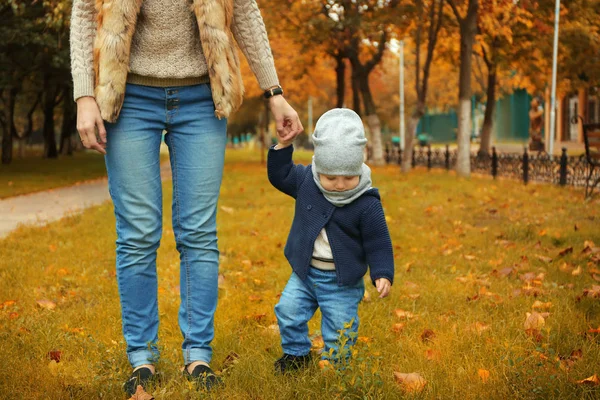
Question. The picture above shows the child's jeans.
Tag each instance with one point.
(339, 310)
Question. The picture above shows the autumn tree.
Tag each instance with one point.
(504, 43)
(428, 22)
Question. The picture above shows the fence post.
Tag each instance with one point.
(494, 162)
(413, 156)
(428, 157)
(525, 167)
(387, 154)
(447, 157)
(563, 167)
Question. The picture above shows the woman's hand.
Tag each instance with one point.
(286, 118)
(88, 119)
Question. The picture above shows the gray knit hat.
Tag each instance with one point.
(340, 141)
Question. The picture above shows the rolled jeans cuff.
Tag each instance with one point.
(141, 357)
(191, 355)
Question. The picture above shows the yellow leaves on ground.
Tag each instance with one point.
(140, 394)
(398, 327)
(410, 383)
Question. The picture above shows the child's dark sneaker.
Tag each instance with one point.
(204, 377)
(288, 363)
(142, 376)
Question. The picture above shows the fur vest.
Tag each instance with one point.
(116, 25)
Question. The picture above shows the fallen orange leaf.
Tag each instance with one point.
(398, 327)
(140, 394)
(484, 375)
(542, 306)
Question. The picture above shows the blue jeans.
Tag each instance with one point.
(339, 311)
(196, 141)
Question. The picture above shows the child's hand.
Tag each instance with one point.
(383, 287)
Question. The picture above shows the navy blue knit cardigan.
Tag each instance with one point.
(357, 232)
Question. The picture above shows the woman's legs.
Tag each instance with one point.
(133, 166)
(196, 140)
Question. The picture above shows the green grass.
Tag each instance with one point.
(34, 173)
(442, 228)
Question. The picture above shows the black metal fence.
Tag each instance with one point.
(527, 167)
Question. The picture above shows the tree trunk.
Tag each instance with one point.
(340, 72)
(356, 95)
(9, 128)
(69, 123)
(377, 156)
(48, 130)
(468, 29)
(488, 119)
(411, 133)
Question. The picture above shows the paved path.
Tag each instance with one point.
(42, 207)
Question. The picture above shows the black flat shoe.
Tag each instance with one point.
(203, 376)
(289, 363)
(142, 376)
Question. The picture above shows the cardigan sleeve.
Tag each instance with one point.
(283, 173)
(377, 243)
(83, 31)
(250, 33)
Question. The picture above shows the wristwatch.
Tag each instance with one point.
(273, 92)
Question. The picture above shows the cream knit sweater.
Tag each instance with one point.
(165, 49)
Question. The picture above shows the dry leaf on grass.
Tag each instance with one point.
(480, 327)
(535, 320)
(228, 210)
(541, 306)
(47, 304)
(576, 271)
(403, 314)
(54, 355)
(544, 258)
(433, 355)
(566, 251)
(592, 381)
(231, 359)
(428, 335)
(412, 382)
(483, 374)
(398, 327)
(140, 394)
(567, 362)
(317, 343)
(504, 272)
(593, 292)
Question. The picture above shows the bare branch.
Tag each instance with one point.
(455, 10)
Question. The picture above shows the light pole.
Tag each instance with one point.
(402, 127)
(553, 99)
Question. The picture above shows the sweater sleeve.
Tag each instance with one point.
(282, 172)
(83, 32)
(377, 243)
(250, 33)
